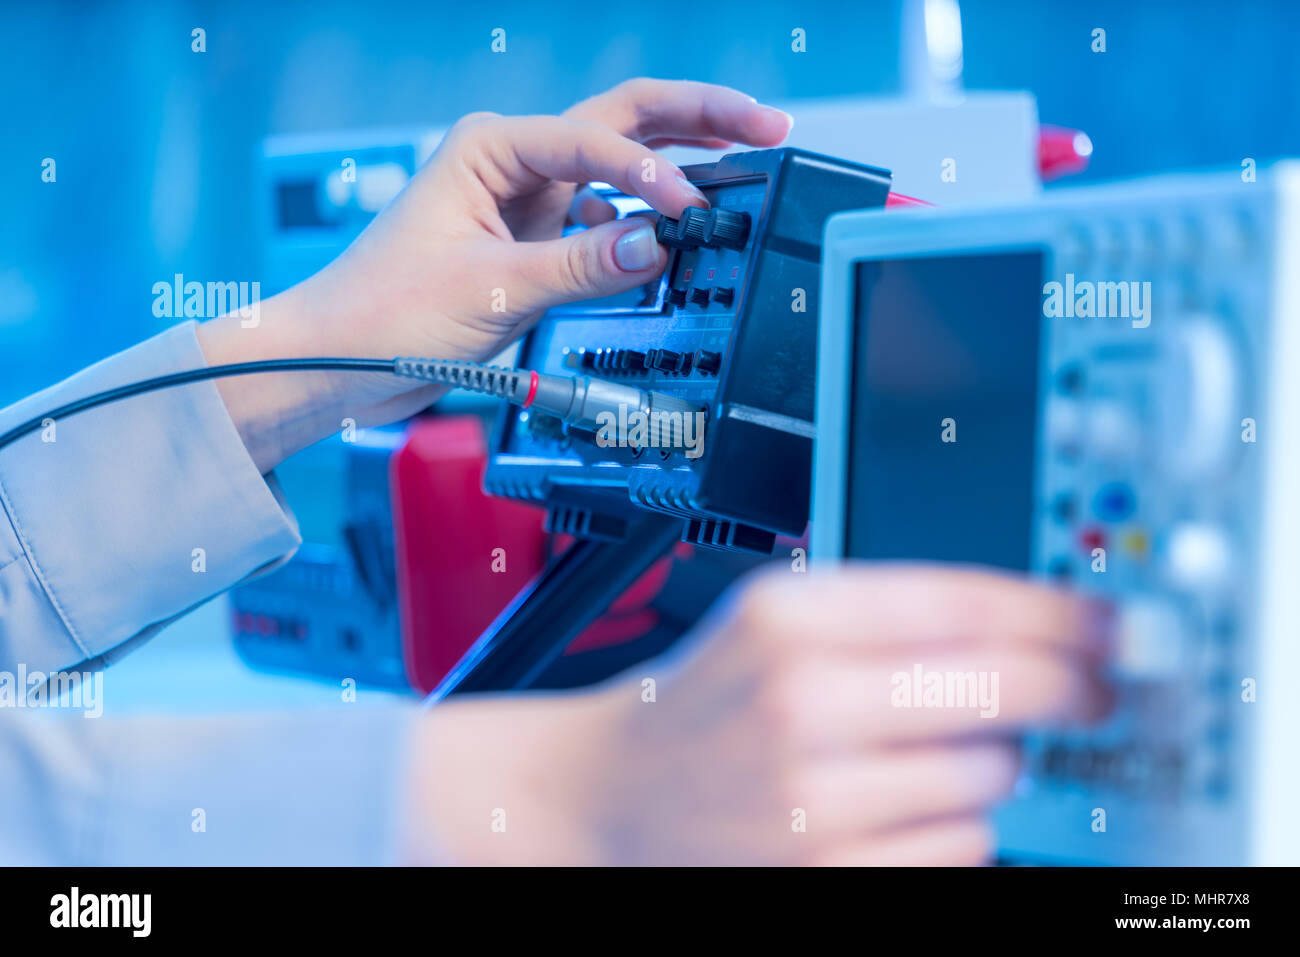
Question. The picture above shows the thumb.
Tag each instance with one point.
(601, 261)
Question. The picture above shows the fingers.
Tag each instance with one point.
(589, 209)
(517, 157)
(662, 111)
(863, 608)
(828, 706)
(962, 842)
(520, 154)
(886, 790)
(707, 144)
(601, 261)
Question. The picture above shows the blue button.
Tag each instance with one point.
(1114, 502)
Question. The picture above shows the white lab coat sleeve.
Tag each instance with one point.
(321, 786)
(117, 520)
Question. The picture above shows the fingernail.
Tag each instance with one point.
(789, 120)
(689, 186)
(637, 249)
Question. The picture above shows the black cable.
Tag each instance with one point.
(195, 375)
(583, 402)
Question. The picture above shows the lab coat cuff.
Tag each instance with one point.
(127, 515)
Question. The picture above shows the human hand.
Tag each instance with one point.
(788, 707)
(470, 253)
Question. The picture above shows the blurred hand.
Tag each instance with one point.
(787, 709)
(470, 253)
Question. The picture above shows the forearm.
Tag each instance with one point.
(158, 490)
(279, 414)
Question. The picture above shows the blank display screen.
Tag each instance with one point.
(944, 346)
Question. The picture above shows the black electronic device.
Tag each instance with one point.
(727, 335)
(729, 328)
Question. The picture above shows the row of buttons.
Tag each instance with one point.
(635, 362)
(1197, 554)
(1189, 238)
(702, 296)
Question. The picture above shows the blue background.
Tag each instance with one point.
(156, 144)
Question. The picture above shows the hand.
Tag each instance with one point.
(791, 705)
(470, 253)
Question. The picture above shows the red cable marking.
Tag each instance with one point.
(532, 389)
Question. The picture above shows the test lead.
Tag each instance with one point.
(581, 401)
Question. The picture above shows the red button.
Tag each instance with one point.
(1091, 538)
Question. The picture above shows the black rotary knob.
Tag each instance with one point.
(727, 228)
(685, 233)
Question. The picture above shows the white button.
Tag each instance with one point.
(1150, 639)
(1112, 431)
(1198, 556)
